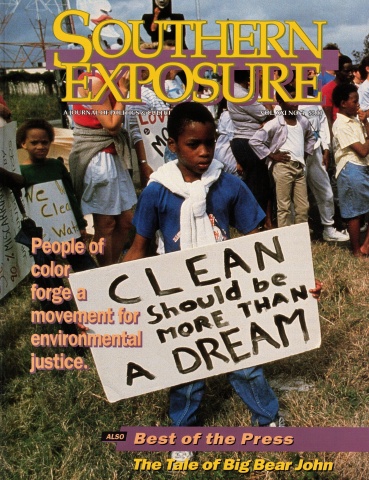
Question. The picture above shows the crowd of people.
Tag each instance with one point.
(253, 174)
(285, 152)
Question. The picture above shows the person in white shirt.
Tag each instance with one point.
(286, 141)
(316, 171)
(363, 89)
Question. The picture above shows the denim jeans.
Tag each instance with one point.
(249, 383)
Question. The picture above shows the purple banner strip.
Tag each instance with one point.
(329, 60)
(242, 439)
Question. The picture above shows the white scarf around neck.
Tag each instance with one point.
(195, 225)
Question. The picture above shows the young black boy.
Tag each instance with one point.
(193, 203)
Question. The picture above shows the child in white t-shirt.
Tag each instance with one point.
(286, 140)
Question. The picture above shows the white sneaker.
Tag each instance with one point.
(330, 234)
(278, 422)
(181, 456)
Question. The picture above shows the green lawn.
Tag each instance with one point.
(24, 107)
(52, 421)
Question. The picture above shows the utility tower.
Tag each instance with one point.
(19, 55)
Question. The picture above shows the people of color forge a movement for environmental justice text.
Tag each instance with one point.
(351, 151)
(99, 164)
(194, 190)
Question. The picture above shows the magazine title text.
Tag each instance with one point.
(263, 56)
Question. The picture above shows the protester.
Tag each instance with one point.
(99, 164)
(328, 75)
(174, 87)
(162, 10)
(356, 79)
(286, 141)
(363, 88)
(195, 191)
(343, 75)
(35, 136)
(351, 150)
(316, 172)
(150, 102)
(247, 119)
(5, 113)
(223, 151)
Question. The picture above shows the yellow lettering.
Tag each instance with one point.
(301, 81)
(73, 37)
(70, 92)
(215, 86)
(126, 38)
(295, 28)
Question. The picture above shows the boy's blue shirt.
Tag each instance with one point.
(229, 203)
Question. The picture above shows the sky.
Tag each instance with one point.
(348, 22)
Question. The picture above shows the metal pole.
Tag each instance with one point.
(69, 22)
(197, 2)
(229, 36)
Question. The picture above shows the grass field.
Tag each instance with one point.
(52, 421)
(24, 107)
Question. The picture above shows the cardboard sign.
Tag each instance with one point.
(153, 128)
(48, 205)
(15, 261)
(198, 313)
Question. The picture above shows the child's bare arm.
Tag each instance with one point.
(362, 149)
(113, 121)
(138, 249)
(11, 180)
(144, 168)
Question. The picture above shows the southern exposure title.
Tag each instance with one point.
(265, 55)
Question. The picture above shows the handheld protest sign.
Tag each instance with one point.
(15, 261)
(48, 204)
(153, 128)
(197, 313)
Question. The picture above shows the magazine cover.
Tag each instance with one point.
(184, 206)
